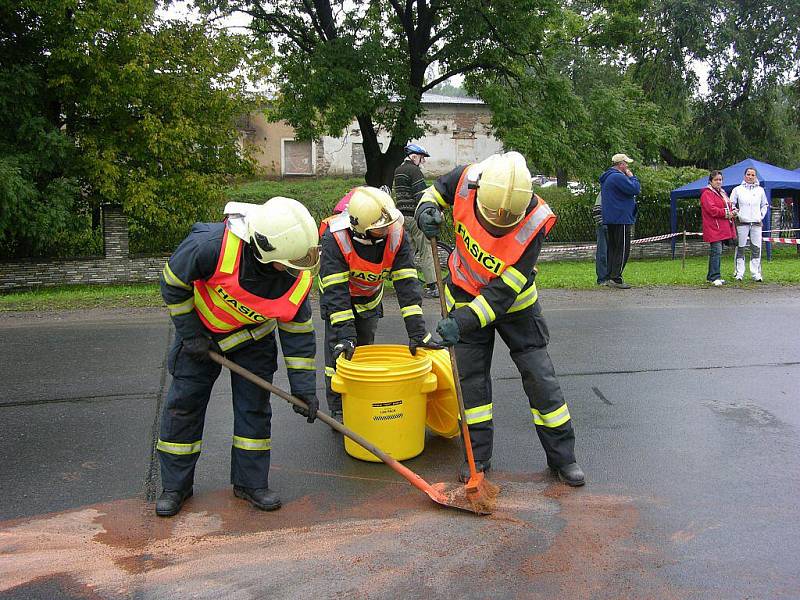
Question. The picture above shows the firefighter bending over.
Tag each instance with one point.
(362, 248)
(228, 287)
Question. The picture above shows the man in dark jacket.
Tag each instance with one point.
(619, 187)
(409, 184)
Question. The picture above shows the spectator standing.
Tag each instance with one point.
(751, 201)
(619, 187)
(409, 184)
(601, 252)
(718, 214)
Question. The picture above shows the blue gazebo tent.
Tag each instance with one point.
(775, 181)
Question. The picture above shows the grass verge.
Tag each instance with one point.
(784, 268)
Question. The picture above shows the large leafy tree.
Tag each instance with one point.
(103, 103)
(341, 61)
(577, 106)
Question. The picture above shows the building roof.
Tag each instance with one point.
(429, 98)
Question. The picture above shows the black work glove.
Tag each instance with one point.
(313, 406)
(346, 347)
(448, 329)
(429, 220)
(425, 341)
(197, 348)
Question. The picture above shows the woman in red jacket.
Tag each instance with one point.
(718, 215)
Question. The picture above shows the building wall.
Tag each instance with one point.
(264, 139)
(456, 134)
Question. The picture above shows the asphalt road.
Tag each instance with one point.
(687, 410)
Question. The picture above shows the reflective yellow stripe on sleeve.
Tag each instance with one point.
(335, 278)
(551, 419)
(297, 326)
(404, 274)
(172, 279)
(244, 443)
(514, 279)
(432, 195)
(482, 309)
(299, 362)
(181, 308)
(341, 316)
(413, 309)
(479, 414)
(330, 371)
(179, 448)
(525, 299)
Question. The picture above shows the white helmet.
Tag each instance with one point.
(282, 230)
(504, 189)
(371, 208)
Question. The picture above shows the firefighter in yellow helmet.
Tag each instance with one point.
(229, 286)
(500, 226)
(363, 247)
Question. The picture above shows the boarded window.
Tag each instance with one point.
(297, 158)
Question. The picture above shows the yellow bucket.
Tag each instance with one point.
(384, 392)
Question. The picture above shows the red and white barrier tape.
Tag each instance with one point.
(655, 238)
(778, 230)
(775, 240)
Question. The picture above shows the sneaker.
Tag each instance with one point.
(717, 282)
(621, 285)
(737, 278)
(757, 279)
(431, 291)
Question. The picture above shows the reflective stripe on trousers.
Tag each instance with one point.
(184, 413)
(525, 333)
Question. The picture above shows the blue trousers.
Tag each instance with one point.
(184, 415)
(601, 254)
(714, 259)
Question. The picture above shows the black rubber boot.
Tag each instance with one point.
(261, 498)
(570, 474)
(480, 466)
(169, 503)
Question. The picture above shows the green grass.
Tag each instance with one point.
(318, 195)
(82, 297)
(784, 268)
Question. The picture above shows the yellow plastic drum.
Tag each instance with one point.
(384, 392)
(442, 418)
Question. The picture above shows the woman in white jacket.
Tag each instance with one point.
(751, 201)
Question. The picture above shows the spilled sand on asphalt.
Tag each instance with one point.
(393, 543)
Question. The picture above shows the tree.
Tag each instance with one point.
(105, 104)
(339, 61)
(572, 111)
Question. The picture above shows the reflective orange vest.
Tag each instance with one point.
(480, 257)
(224, 306)
(366, 278)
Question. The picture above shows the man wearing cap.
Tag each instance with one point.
(619, 187)
(409, 184)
